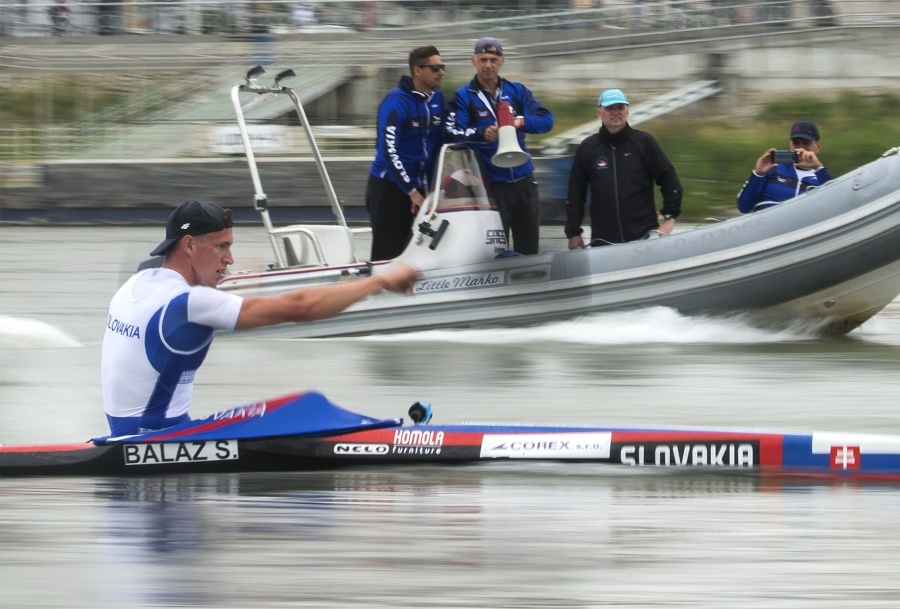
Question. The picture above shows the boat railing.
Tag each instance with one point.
(316, 246)
(430, 205)
(297, 244)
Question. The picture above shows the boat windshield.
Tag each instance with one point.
(461, 181)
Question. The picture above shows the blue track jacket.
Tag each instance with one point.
(776, 186)
(409, 136)
(472, 110)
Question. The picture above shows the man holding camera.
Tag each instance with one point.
(781, 175)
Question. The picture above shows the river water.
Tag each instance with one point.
(496, 535)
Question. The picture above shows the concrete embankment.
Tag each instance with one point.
(752, 66)
(146, 191)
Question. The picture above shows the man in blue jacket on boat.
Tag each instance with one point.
(408, 136)
(772, 183)
(472, 118)
(161, 322)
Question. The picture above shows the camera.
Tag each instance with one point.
(787, 157)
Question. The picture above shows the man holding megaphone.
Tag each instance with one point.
(493, 115)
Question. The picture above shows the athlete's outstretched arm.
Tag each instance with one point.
(320, 302)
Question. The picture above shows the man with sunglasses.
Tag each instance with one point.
(771, 183)
(620, 164)
(161, 322)
(408, 139)
(472, 118)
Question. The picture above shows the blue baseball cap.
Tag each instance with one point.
(611, 97)
(489, 45)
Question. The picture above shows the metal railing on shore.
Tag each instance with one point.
(28, 18)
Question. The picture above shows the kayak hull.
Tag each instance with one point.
(730, 452)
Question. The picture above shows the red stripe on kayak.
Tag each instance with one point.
(678, 435)
(771, 451)
(46, 448)
(222, 422)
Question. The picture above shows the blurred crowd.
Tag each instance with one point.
(20, 18)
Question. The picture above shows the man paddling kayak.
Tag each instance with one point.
(161, 322)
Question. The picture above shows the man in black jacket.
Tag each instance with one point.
(621, 165)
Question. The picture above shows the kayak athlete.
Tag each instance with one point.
(161, 322)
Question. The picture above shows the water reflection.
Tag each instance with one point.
(151, 531)
(494, 535)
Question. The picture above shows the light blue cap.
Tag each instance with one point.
(611, 97)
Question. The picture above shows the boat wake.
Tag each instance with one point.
(644, 326)
(24, 333)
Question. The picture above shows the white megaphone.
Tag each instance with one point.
(509, 154)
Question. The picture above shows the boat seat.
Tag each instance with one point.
(316, 245)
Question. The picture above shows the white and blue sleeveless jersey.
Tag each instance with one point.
(158, 330)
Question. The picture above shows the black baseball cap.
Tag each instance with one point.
(193, 218)
(806, 130)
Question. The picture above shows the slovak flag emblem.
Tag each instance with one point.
(845, 457)
(602, 163)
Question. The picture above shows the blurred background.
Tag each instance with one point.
(113, 110)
